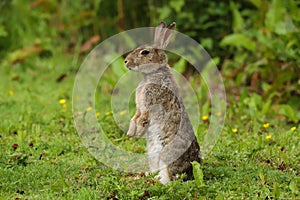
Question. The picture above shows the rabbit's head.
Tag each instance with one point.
(149, 58)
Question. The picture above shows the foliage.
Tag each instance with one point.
(257, 41)
(265, 50)
(255, 44)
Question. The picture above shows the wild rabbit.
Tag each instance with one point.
(160, 113)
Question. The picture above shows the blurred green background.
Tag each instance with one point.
(255, 43)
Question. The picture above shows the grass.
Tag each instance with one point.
(42, 156)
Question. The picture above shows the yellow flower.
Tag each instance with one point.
(89, 109)
(293, 128)
(108, 113)
(62, 101)
(123, 112)
(98, 114)
(204, 117)
(266, 125)
(10, 92)
(234, 130)
(268, 137)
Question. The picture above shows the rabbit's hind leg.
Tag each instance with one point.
(156, 164)
(153, 161)
(154, 147)
(164, 174)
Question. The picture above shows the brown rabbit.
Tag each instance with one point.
(160, 113)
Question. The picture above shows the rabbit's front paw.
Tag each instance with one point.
(140, 130)
(142, 123)
(132, 129)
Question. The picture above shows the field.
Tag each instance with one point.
(255, 46)
(42, 155)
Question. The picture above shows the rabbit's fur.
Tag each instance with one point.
(160, 113)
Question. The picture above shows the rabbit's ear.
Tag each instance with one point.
(168, 34)
(159, 34)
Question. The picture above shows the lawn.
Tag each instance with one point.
(42, 156)
(255, 45)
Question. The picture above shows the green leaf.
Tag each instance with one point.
(207, 43)
(276, 190)
(238, 22)
(275, 14)
(257, 99)
(205, 108)
(289, 112)
(3, 32)
(294, 10)
(118, 67)
(180, 66)
(220, 197)
(257, 3)
(239, 40)
(116, 64)
(262, 178)
(198, 174)
(266, 107)
(177, 5)
(164, 12)
(293, 187)
(277, 18)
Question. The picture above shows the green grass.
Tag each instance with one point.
(50, 161)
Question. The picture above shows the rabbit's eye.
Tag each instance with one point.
(145, 123)
(145, 52)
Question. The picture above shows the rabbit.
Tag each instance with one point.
(160, 113)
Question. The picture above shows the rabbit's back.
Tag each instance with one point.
(162, 99)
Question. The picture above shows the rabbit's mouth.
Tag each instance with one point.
(131, 67)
